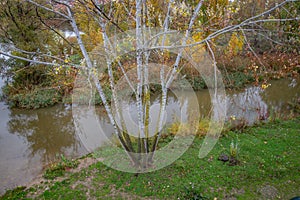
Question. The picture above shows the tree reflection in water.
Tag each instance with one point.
(48, 132)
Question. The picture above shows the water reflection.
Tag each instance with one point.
(247, 107)
(94, 129)
(280, 93)
(254, 103)
(47, 131)
(30, 139)
(92, 126)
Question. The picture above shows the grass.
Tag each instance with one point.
(58, 169)
(268, 168)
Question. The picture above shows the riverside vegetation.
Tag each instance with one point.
(42, 87)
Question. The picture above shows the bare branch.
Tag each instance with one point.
(48, 9)
(187, 33)
(28, 60)
(52, 29)
(98, 10)
(208, 38)
(249, 46)
(273, 20)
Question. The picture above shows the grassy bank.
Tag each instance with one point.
(268, 168)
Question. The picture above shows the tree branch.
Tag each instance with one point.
(48, 9)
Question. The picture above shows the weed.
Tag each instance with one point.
(58, 169)
(191, 192)
(294, 105)
(17, 193)
(233, 160)
(233, 149)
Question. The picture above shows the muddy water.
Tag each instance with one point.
(31, 139)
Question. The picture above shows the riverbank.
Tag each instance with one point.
(267, 168)
(238, 72)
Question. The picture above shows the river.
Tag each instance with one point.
(31, 139)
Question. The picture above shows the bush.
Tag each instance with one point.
(37, 98)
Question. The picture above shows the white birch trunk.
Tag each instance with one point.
(139, 59)
(112, 85)
(96, 81)
(166, 85)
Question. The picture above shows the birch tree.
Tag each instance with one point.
(135, 33)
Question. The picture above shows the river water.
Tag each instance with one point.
(31, 139)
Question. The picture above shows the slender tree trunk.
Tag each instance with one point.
(97, 83)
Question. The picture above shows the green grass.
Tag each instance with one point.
(268, 169)
(58, 169)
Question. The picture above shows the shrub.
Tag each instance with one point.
(37, 98)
